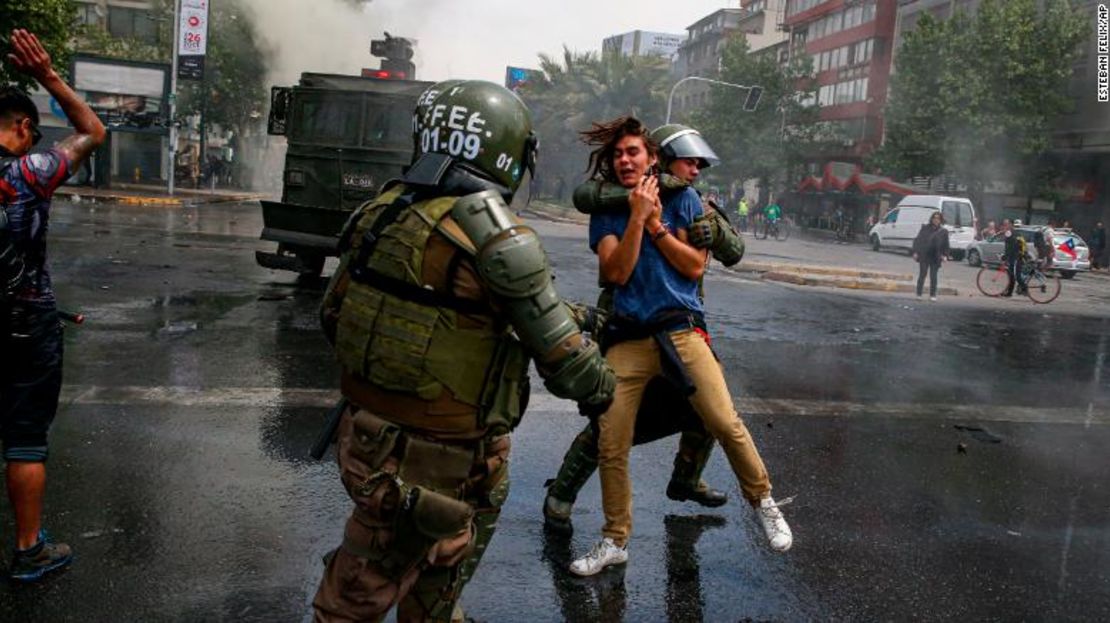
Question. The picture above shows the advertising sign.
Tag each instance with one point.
(126, 95)
(192, 39)
(517, 77)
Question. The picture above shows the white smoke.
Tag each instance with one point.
(473, 39)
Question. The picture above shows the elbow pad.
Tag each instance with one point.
(512, 263)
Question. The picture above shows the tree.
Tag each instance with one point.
(52, 23)
(581, 88)
(975, 97)
(767, 143)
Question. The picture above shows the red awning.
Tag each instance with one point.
(845, 177)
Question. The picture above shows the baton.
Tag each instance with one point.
(331, 424)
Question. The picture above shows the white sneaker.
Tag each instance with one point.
(933, 298)
(603, 554)
(774, 524)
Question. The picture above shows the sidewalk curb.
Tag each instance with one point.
(800, 279)
(810, 269)
(131, 198)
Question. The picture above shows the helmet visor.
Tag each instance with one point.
(689, 144)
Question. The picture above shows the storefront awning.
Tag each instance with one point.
(846, 177)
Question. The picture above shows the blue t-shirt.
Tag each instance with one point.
(655, 285)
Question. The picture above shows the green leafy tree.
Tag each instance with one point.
(52, 23)
(976, 97)
(583, 87)
(233, 92)
(767, 143)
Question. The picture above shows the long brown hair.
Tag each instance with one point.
(605, 137)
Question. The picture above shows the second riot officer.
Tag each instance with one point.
(440, 301)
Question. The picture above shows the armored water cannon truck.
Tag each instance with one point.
(346, 136)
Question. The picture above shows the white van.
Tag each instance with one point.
(900, 226)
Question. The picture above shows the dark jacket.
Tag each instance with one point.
(1098, 238)
(931, 244)
(1012, 250)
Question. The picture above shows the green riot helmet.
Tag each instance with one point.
(423, 103)
(482, 126)
(678, 141)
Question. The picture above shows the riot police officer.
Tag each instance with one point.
(440, 301)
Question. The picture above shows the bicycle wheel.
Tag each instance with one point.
(1042, 288)
(782, 232)
(992, 281)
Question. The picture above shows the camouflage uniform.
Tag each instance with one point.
(440, 302)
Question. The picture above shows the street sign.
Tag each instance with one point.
(192, 40)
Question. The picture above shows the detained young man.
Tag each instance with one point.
(655, 330)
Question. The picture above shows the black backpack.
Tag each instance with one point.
(12, 266)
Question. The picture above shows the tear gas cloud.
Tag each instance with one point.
(456, 38)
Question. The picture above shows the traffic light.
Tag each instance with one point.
(396, 54)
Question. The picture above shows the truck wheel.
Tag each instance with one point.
(312, 263)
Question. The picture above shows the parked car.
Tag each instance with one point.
(900, 226)
(989, 251)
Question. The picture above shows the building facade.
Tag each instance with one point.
(1081, 140)
(849, 42)
(700, 55)
(643, 43)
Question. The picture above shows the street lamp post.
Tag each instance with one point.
(173, 96)
(751, 102)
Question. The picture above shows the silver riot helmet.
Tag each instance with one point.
(679, 141)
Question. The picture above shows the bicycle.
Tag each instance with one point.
(1039, 287)
(779, 228)
(844, 232)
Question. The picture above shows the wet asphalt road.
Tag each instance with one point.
(179, 467)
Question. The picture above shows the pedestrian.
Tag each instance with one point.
(663, 411)
(989, 231)
(742, 210)
(434, 332)
(30, 334)
(1013, 256)
(930, 249)
(1098, 246)
(658, 325)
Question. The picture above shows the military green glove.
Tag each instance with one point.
(700, 233)
(583, 376)
(589, 319)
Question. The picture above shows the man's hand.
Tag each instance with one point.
(644, 200)
(29, 57)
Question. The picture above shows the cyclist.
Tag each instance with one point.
(1014, 258)
(772, 214)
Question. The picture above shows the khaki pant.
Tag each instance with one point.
(635, 363)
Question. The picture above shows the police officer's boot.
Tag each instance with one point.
(579, 463)
(694, 448)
